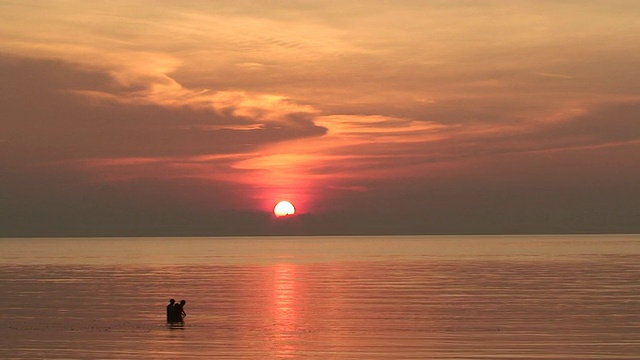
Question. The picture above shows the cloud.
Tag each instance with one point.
(374, 106)
(267, 143)
(558, 76)
(69, 126)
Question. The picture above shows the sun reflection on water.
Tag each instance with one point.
(284, 309)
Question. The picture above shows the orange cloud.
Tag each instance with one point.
(298, 101)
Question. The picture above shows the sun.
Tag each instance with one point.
(284, 208)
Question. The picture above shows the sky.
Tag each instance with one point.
(194, 118)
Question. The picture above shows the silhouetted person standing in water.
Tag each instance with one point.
(171, 311)
(179, 311)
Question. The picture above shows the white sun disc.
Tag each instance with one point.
(284, 208)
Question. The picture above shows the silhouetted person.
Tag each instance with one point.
(179, 311)
(171, 311)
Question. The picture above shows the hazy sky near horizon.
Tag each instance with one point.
(196, 117)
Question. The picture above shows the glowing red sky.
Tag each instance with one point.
(173, 118)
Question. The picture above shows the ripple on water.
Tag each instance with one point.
(567, 306)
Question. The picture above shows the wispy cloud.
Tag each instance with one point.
(300, 99)
(558, 76)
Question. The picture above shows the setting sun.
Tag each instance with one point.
(284, 208)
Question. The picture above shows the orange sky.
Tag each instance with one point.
(370, 116)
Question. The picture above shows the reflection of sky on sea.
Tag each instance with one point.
(566, 305)
(272, 250)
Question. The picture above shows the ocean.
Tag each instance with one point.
(388, 297)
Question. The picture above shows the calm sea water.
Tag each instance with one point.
(528, 297)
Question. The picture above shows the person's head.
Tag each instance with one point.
(182, 302)
(171, 301)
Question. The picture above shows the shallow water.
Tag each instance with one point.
(531, 297)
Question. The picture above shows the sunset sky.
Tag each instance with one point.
(372, 117)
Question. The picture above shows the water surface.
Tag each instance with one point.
(529, 297)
